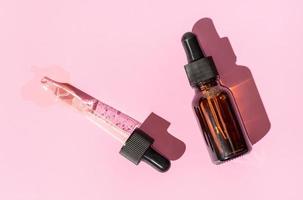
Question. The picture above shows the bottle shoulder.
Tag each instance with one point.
(209, 93)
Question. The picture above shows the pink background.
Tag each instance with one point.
(128, 54)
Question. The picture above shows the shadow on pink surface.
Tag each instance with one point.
(238, 78)
(166, 144)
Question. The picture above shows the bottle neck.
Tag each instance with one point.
(208, 84)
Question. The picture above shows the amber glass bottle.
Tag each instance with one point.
(214, 105)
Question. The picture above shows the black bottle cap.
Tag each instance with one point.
(199, 68)
(138, 147)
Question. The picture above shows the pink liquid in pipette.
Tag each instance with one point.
(114, 122)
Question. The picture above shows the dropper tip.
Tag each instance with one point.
(46, 79)
(49, 84)
(43, 80)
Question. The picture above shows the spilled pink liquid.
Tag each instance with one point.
(32, 90)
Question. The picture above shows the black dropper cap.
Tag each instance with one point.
(138, 147)
(199, 68)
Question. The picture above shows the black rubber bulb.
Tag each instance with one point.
(156, 160)
(192, 48)
(138, 147)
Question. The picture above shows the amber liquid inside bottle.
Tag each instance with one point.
(221, 123)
